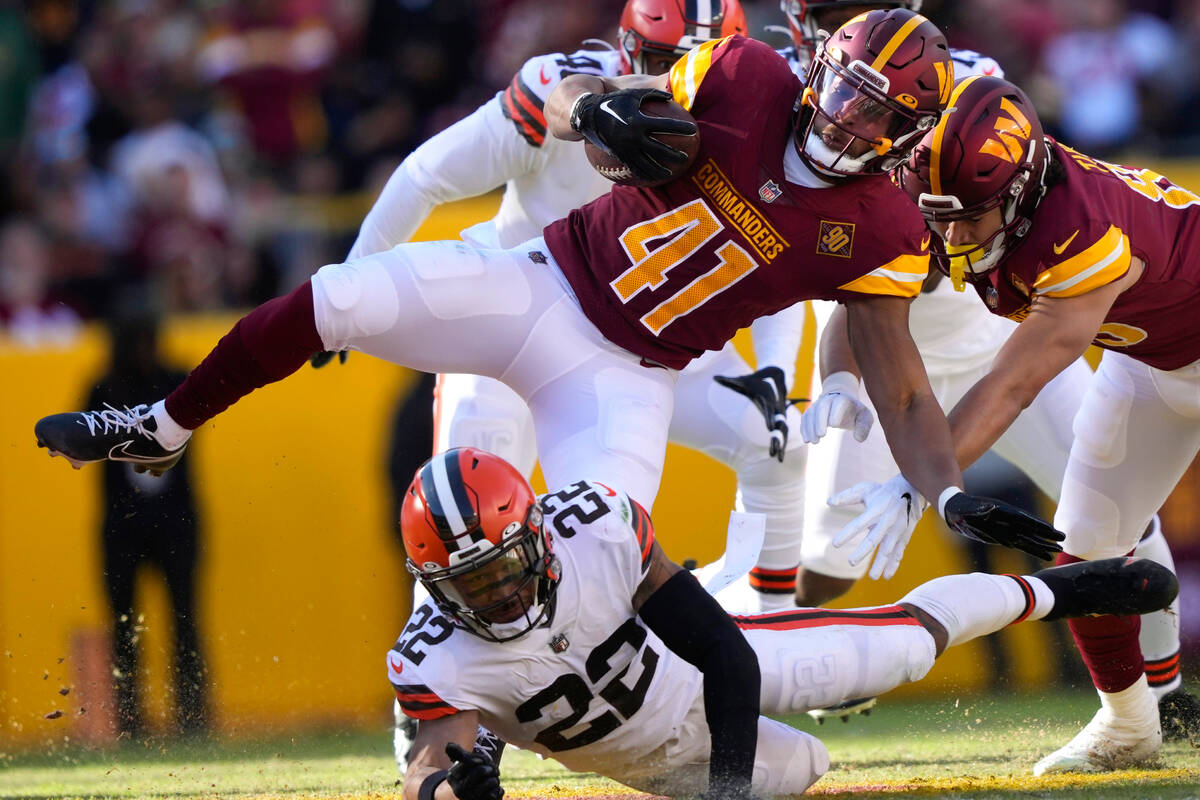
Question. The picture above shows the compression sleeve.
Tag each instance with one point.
(471, 157)
(693, 625)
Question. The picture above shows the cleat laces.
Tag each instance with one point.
(112, 418)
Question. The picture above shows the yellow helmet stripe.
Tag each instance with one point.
(935, 154)
(897, 39)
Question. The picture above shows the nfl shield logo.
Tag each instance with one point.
(769, 192)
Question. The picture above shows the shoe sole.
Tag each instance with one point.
(156, 469)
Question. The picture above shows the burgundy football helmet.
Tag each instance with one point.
(473, 532)
(876, 86)
(988, 151)
(806, 29)
(665, 30)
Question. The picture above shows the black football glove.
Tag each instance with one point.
(325, 356)
(995, 522)
(614, 122)
(472, 776)
(767, 390)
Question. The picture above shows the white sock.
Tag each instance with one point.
(1159, 636)
(170, 434)
(975, 605)
(1131, 702)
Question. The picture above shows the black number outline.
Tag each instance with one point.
(557, 517)
(425, 616)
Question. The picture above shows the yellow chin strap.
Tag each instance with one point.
(959, 263)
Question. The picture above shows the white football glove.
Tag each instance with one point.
(837, 407)
(892, 511)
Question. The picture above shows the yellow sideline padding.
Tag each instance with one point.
(301, 582)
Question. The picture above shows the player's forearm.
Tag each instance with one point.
(777, 340)
(835, 354)
(920, 441)
(694, 626)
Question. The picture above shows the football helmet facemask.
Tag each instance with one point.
(877, 85)
(654, 34)
(987, 152)
(473, 532)
(805, 26)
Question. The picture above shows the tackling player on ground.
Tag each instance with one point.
(657, 687)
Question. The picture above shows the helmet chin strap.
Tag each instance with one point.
(822, 155)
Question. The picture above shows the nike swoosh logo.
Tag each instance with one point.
(542, 75)
(605, 108)
(1058, 248)
(609, 491)
(925, 242)
(908, 499)
(397, 668)
(121, 450)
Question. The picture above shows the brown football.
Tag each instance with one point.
(616, 171)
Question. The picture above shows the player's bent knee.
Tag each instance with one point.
(787, 761)
(354, 300)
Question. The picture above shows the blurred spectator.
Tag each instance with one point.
(269, 55)
(148, 521)
(28, 311)
(1113, 75)
(19, 70)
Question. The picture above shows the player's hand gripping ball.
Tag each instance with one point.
(637, 137)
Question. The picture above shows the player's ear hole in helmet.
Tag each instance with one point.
(654, 34)
(474, 535)
(876, 86)
(978, 176)
(807, 19)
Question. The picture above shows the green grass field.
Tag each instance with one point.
(960, 747)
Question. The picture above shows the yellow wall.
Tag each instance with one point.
(300, 578)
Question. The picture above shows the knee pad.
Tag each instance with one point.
(786, 761)
(353, 301)
(1092, 523)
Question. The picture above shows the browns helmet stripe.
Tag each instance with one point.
(700, 17)
(447, 500)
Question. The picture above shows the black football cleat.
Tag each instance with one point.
(87, 437)
(1121, 586)
(844, 711)
(1179, 714)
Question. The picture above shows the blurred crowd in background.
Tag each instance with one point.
(210, 154)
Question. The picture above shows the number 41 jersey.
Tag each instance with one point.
(596, 690)
(672, 271)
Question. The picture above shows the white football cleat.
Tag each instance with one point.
(1108, 742)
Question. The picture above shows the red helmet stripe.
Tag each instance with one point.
(897, 39)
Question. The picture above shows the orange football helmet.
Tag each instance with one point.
(472, 529)
(656, 33)
(877, 85)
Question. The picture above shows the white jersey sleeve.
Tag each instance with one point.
(777, 340)
(968, 63)
(502, 140)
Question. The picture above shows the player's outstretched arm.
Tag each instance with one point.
(442, 765)
(689, 621)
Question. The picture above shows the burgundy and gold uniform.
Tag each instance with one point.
(670, 272)
(1088, 230)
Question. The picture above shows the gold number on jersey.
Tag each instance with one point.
(688, 227)
(1154, 186)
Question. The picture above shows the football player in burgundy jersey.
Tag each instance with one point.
(787, 200)
(958, 339)
(1080, 252)
(657, 687)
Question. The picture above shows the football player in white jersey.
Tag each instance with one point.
(656, 687)
(958, 339)
(505, 143)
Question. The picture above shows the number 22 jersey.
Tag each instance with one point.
(672, 271)
(595, 689)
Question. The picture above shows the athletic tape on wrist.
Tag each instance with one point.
(944, 498)
(430, 784)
